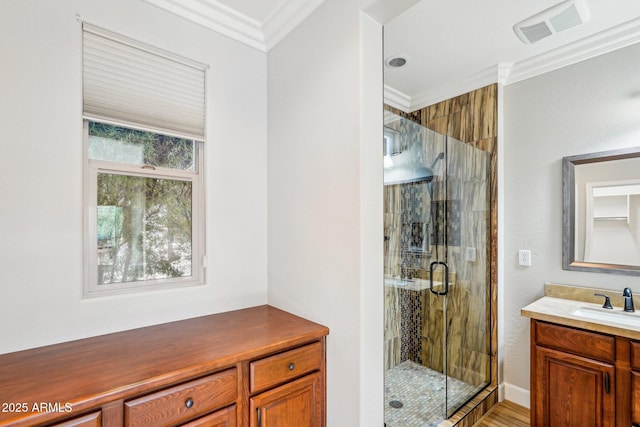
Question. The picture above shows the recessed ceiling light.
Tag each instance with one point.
(396, 61)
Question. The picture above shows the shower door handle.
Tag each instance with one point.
(432, 267)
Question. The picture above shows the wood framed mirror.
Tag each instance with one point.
(601, 212)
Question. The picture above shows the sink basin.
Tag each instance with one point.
(601, 314)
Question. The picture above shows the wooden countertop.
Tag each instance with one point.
(94, 371)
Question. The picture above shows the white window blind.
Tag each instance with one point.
(129, 83)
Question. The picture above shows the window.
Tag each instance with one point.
(144, 216)
(145, 188)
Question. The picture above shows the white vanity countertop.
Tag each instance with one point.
(563, 311)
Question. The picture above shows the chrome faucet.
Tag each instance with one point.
(628, 300)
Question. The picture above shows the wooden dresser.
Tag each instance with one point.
(254, 367)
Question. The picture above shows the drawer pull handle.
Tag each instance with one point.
(292, 366)
(188, 403)
(607, 383)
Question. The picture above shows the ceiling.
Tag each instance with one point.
(452, 52)
(452, 46)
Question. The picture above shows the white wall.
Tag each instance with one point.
(314, 193)
(325, 195)
(41, 236)
(588, 107)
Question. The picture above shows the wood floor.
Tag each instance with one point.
(505, 414)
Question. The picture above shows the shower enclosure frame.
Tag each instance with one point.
(472, 118)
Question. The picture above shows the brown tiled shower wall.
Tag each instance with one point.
(472, 119)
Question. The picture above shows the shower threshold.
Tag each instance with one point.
(421, 391)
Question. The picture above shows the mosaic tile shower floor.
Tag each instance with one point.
(421, 391)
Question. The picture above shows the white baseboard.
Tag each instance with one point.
(514, 394)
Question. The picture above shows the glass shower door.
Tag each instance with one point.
(435, 250)
(468, 249)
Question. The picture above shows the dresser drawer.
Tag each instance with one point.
(183, 402)
(223, 418)
(576, 341)
(280, 368)
(93, 419)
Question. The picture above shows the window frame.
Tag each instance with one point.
(91, 169)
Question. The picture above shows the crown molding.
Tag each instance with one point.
(285, 18)
(227, 21)
(455, 88)
(600, 43)
(408, 104)
(217, 17)
(458, 87)
(397, 99)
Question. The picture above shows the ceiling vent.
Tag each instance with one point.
(560, 17)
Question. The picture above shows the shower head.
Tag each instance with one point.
(426, 173)
(438, 157)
